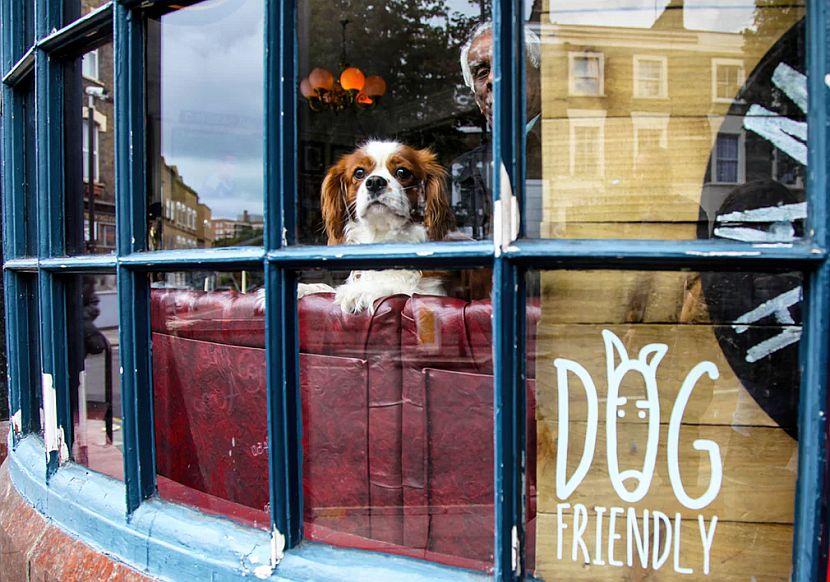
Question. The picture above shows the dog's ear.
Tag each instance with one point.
(333, 202)
(438, 217)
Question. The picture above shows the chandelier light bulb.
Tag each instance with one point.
(321, 79)
(306, 90)
(375, 86)
(352, 79)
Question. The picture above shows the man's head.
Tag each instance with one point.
(476, 66)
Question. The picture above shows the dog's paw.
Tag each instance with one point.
(304, 289)
(354, 300)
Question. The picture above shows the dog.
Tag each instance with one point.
(384, 192)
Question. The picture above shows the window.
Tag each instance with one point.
(587, 143)
(651, 140)
(727, 79)
(86, 152)
(586, 74)
(602, 356)
(651, 79)
(727, 159)
(90, 65)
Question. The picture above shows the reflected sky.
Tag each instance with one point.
(703, 15)
(212, 102)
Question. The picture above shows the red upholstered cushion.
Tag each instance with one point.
(210, 414)
(397, 415)
(375, 338)
(225, 317)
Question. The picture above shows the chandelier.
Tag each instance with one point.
(352, 89)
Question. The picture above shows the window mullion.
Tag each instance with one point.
(282, 353)
(133, 286)
(57, 414)
(508, 349)
(810, 526)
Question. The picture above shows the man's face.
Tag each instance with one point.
(480, 58)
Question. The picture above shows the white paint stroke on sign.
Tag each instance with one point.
(785, 212)
(778, 306)
(787, 337)
(778, 234)
(784, 133)
(792, 83)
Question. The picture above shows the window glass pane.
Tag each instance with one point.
(397, 403)
(391, 74)
(209, 402)
(663, 433)
(26, 142)
(698, 70)
(205, 89)
(28, 25)
(28, 342)
(94, 361)
(89, 94)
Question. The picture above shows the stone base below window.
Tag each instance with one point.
(31, 548)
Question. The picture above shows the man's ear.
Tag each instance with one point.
(333, 203)
(438, 217)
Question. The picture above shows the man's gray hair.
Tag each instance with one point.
(533, 50)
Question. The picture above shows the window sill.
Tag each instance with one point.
(170, 541)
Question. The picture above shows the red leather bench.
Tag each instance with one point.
(397, 418)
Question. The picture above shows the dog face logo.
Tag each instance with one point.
(648, 409)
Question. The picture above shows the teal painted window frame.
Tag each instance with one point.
(281, 260)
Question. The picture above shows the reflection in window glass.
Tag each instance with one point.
(94, 361)
(664, 426)
(28, 25)
(205, 125)
(724, 86)
(29, 159)
(209, 402)
(29, 326)
(390, 72)
(90, 151)
(397, 403)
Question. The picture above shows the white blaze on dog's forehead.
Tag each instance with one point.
(381, 151)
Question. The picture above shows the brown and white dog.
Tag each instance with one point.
(384, 192)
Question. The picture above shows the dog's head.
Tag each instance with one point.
(381, 191)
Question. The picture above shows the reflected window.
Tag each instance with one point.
(727, 157)
(587, 144)
(205, 125)
(727, 79)
(651, 77)
(586, 74)
(89, 65)
(89, 150)
(94, 153)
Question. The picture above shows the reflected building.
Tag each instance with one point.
(97, 75)
(186, 222)
(643, 125)
(246, 229)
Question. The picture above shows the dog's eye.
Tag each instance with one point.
(403, 173)
(360, 173)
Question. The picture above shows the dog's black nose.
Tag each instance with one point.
(375, 184)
